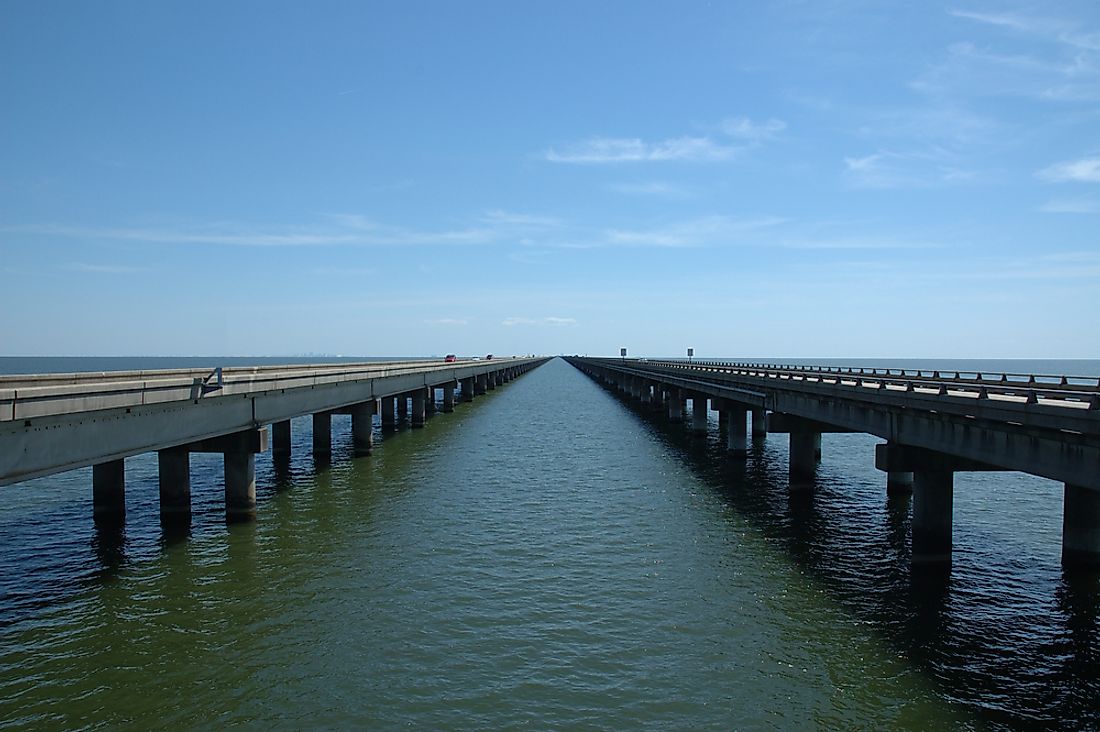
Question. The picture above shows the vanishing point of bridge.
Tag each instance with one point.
(935, 424)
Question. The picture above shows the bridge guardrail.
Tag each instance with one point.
(39, 395)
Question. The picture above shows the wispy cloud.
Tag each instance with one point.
(632, 149)
(687, 148)
(650, 188)
(889, 169)
(745, 129)
(342, 230)
(447, 321)
(1072, 206)
(1059, 63)
(706, 231)
(549, 320)
(498, 217)
(114, 269)
(1084, 170)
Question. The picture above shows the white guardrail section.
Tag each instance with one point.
(1075, 392)
(28, 396)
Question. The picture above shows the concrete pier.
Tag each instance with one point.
(418, 398)
(280, 439)
(899, 482)
(737, 443)
(403, 408)
(804, 449)
(699, 413)
(389, 406)
(362, 428)
(759, 423)
(449, 397)
(933, 504)
(675, 405)
(174, 465)
(480, 384)
(322, 434)
(240, 485)
(429, 401)
(1081, 526)
(109, 490)
(467, 389)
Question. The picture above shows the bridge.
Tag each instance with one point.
(56, 422)
(934, 424)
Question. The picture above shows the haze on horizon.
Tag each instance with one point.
(797, 179)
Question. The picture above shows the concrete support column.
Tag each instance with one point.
(737, 439)
(429, 401)
(491, 381)
(467, 389)
(403, 408)
(645, 392)
(803, 458)
(675, 405)
(175, 481)
(698, 413)
(449, 397)
(759, 423)
(817, 447)
(280, 439)
(933, 502)
(388, 406)
(322, 434)
(362, 428)
(899, 482)
(418, 397)
(240, 485)
(1081, 526)
(109, 490)
(480, 384)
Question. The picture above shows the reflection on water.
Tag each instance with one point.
(579, 564)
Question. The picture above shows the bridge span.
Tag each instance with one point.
(934, 424)
(55, 422)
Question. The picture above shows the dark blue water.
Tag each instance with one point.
(547, 557)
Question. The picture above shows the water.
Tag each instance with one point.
(545, 558)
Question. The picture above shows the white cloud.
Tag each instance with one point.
(633, 149)
(507, 218)
(889, 169)
(549, 320)
(1072, 206)
(706, 231)
(745, 129)
(1058, 63)
(344, 230)
(105, 268)
(1085, 170)
(447, 321)
(650, 188)
(687, 148)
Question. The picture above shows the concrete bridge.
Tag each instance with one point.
(56, 422)
(934, 423)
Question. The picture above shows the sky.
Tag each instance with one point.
(784, 179)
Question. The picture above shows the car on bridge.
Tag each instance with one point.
(450, 358)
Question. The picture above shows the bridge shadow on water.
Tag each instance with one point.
(1010, 663)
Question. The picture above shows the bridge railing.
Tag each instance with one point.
(1053, 390)
(24, 397)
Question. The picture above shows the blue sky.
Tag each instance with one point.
(786, 179)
